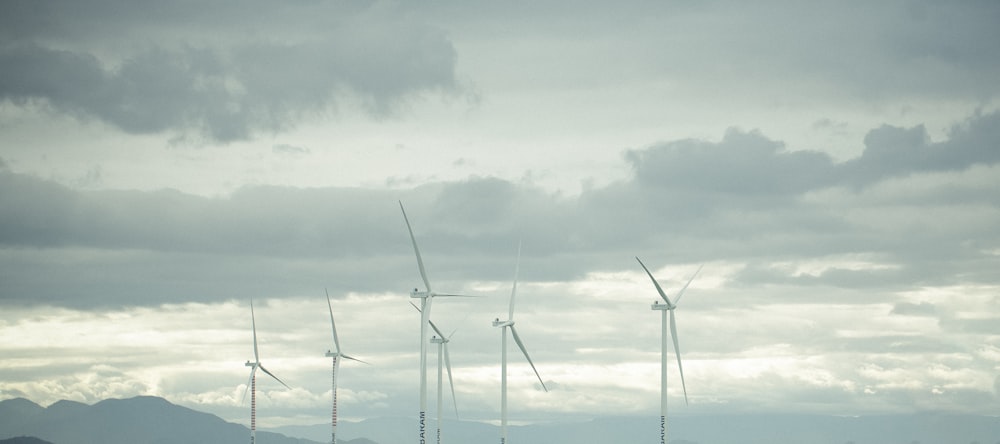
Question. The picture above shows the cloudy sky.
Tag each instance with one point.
(834, 167)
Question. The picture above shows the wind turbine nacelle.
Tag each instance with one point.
(251, 364)
(658, 306)
(419, 294)
(499, 323)
(437, 340)
(331, 354)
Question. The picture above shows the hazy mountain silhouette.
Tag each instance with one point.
(140, 420)
(149, 420)
(23, 440)
(17, 411)
(922, 428)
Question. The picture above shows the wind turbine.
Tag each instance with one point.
(425, 312)
(504, 325)
(442, 341)
(664, 308)
(252, 383)
(336, 365)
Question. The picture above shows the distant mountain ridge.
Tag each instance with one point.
(139, 420)
(23, 440)
(151, 420)
(921, 428)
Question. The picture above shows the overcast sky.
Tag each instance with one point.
(835, 167)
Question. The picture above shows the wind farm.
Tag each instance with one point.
(832, 165)
(506, 326)
(513, 403)
(444, 360)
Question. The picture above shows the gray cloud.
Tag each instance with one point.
(911, 309)
(748, 164)
(870, 52)
(892, 151)
(228, 87)
(744, 164)
(772, 53)
(289, 150)
(687, 201)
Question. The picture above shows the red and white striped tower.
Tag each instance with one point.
(253, 408)
(333, 417)
(336, 365)
(252, 383)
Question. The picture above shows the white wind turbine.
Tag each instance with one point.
(425, 312)
(504, 325)
(664, 308)
(252, 383)
(336, 365)
(442, 341)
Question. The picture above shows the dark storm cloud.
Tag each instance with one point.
(687, 201)
(254, 76)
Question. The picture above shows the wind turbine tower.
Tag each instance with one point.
(504, 325)
(252, 383)
(442, 342)
(426, 297)
(667, 306)
(335, 354)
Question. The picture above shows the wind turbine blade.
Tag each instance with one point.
(354, 359)
(436, 329)
(249, 381)
(420, 261)
(333, 325)
(681, 293)
(451, 295)
(655, 284)
(253, 325)
(677, 351)
(275, 377)
(520, 345)
(447, 363)
(513, 289)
